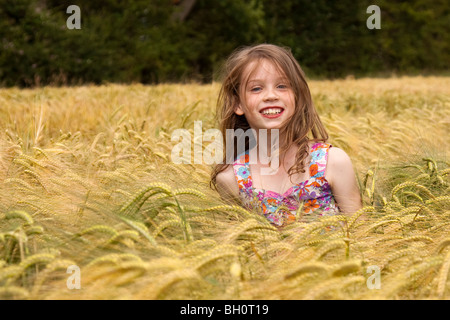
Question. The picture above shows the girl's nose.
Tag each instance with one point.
(270, 95)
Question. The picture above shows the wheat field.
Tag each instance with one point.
(87, 180)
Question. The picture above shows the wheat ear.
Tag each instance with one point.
(11, 272)
(250, 224)
(327, 247)
(39, 258)
(411, 184)
(13, 292)
(141, 228)
(346, 268)
(141, 196)
(51, 267)
(114, 258)
(309, 267)
(168, 280)
(441, 246)
(331, 285)
(99, 228)
(399, 254)
(443, 275)
(20, 214)
(214, 254)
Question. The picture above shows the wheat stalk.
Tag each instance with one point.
(346, 268)
(250, 224)
(400, 186)
(166, 224)
(50, 268)
(329, 246)
(19, 214)
(99, 228)
(11, 272)
(36, 176)
(214, 254)
(20, 182)
(141, 196)
(141, 228)
(443, 275)
(441, 246)
(189, 191)
(332, 284)
(309, 267)
(114, 258)
(13, 292)
(170, 279)
(38, 258)
(232, 208)
(438, 200)
(399, 254)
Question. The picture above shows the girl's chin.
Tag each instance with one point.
(271, 125)
(274, 125)
(269, 128)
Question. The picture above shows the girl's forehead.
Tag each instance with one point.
(261, 68)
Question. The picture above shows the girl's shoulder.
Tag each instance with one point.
(337, 155)
(338, 161)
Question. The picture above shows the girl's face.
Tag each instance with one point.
(266, 99)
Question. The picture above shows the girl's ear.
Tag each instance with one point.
(238, 109)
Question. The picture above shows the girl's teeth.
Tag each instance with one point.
(272, 111)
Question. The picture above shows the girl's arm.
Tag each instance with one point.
(342, 180)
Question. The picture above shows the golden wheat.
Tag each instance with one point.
(95, 187)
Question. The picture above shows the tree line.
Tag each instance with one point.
(154, 41)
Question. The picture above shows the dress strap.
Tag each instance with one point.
(319, 157)
(242, 172)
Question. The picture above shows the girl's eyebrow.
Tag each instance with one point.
(261, 80)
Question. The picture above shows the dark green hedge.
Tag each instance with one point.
(139, 41)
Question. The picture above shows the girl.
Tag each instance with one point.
(265, 88)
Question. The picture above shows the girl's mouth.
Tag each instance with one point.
(272, 112)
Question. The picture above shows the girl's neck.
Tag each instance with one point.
(272, 150)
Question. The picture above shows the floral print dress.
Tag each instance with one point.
(313, 197)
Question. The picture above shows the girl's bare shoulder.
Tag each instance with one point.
(338, 163)
(337, 155)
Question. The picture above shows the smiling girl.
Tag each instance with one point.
(265, 88)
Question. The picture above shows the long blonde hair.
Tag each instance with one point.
(304, 120)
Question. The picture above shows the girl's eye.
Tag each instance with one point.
(255, 89)
(282, 86)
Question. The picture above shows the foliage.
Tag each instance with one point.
(140, 41)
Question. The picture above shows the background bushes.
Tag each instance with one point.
(142, 41)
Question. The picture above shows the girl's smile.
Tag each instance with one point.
(272, 112)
